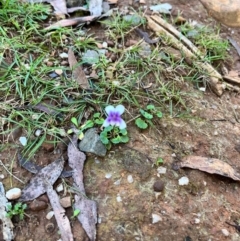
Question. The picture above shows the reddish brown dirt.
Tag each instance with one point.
(199, 210)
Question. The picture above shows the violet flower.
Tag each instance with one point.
(114, 116)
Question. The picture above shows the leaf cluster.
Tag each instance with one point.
(113, 135)
(17, 210)
(146, 116)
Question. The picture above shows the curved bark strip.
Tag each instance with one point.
(88, 208)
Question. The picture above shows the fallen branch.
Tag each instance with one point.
(215, 79)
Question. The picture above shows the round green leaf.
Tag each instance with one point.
(141, 123)
(146, 114)
(124, 139)
(104, 138)
(159, 114)
(150, 107)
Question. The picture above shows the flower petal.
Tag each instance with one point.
(109, 109)
(122, 124)
(120, 109)
(106, 123)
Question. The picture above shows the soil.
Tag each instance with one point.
(197, 211)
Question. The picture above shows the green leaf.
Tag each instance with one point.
(74, 121)
(146, 114)
(150, 107)
(81, 135)
(116, 140)
(159, 161)
(108, 128)
(123, 132)
(76, 212)
(87, 125)
(104, 138)
(96, 115)
(141, 123)
(99, 121)
(124, 139)
(159, 114)
(70, 131)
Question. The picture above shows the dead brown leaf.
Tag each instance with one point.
(36, 186)
(59, 213)
(77, 72)
(88, 215)
(210, 165)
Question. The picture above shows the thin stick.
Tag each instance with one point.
(1, 164)
(214, 77)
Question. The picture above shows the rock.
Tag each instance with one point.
(49, 215)
(59, 188)
(225, 11)
(135, 162)
(183, 181)
(90, 57)
(38, 205)
(63, 55)
(130, 179)
(13, 193)
(108, 175)
(225, 232)
(66, 202)
(104, 45)
(92, 143)
(119, 199)
(59, 71)
(162, 170)
(158, 186)
(156, 218)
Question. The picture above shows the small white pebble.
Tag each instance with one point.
(2, 176)
(156, 218)
(108, 175)
(203, 89)
(225, 232)
(99, 220)
(13, 193)
(50, 215)
(63, 55)
(174, 155)
(38, 132)
(196, 220)
(59, 188)
(23, 140)
(119, 199)
(130, 179)
(183, 181)
(58, 71)
(104, 45)
(162, 170)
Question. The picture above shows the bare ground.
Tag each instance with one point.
(198, 211)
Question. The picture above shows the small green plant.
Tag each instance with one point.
(146, 116)
(159, 161)
(17, 210)
(113, 135)
(76, 212)
(97, 120)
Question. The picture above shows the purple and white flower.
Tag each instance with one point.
(114, 116)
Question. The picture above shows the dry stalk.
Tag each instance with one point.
(158, 25)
